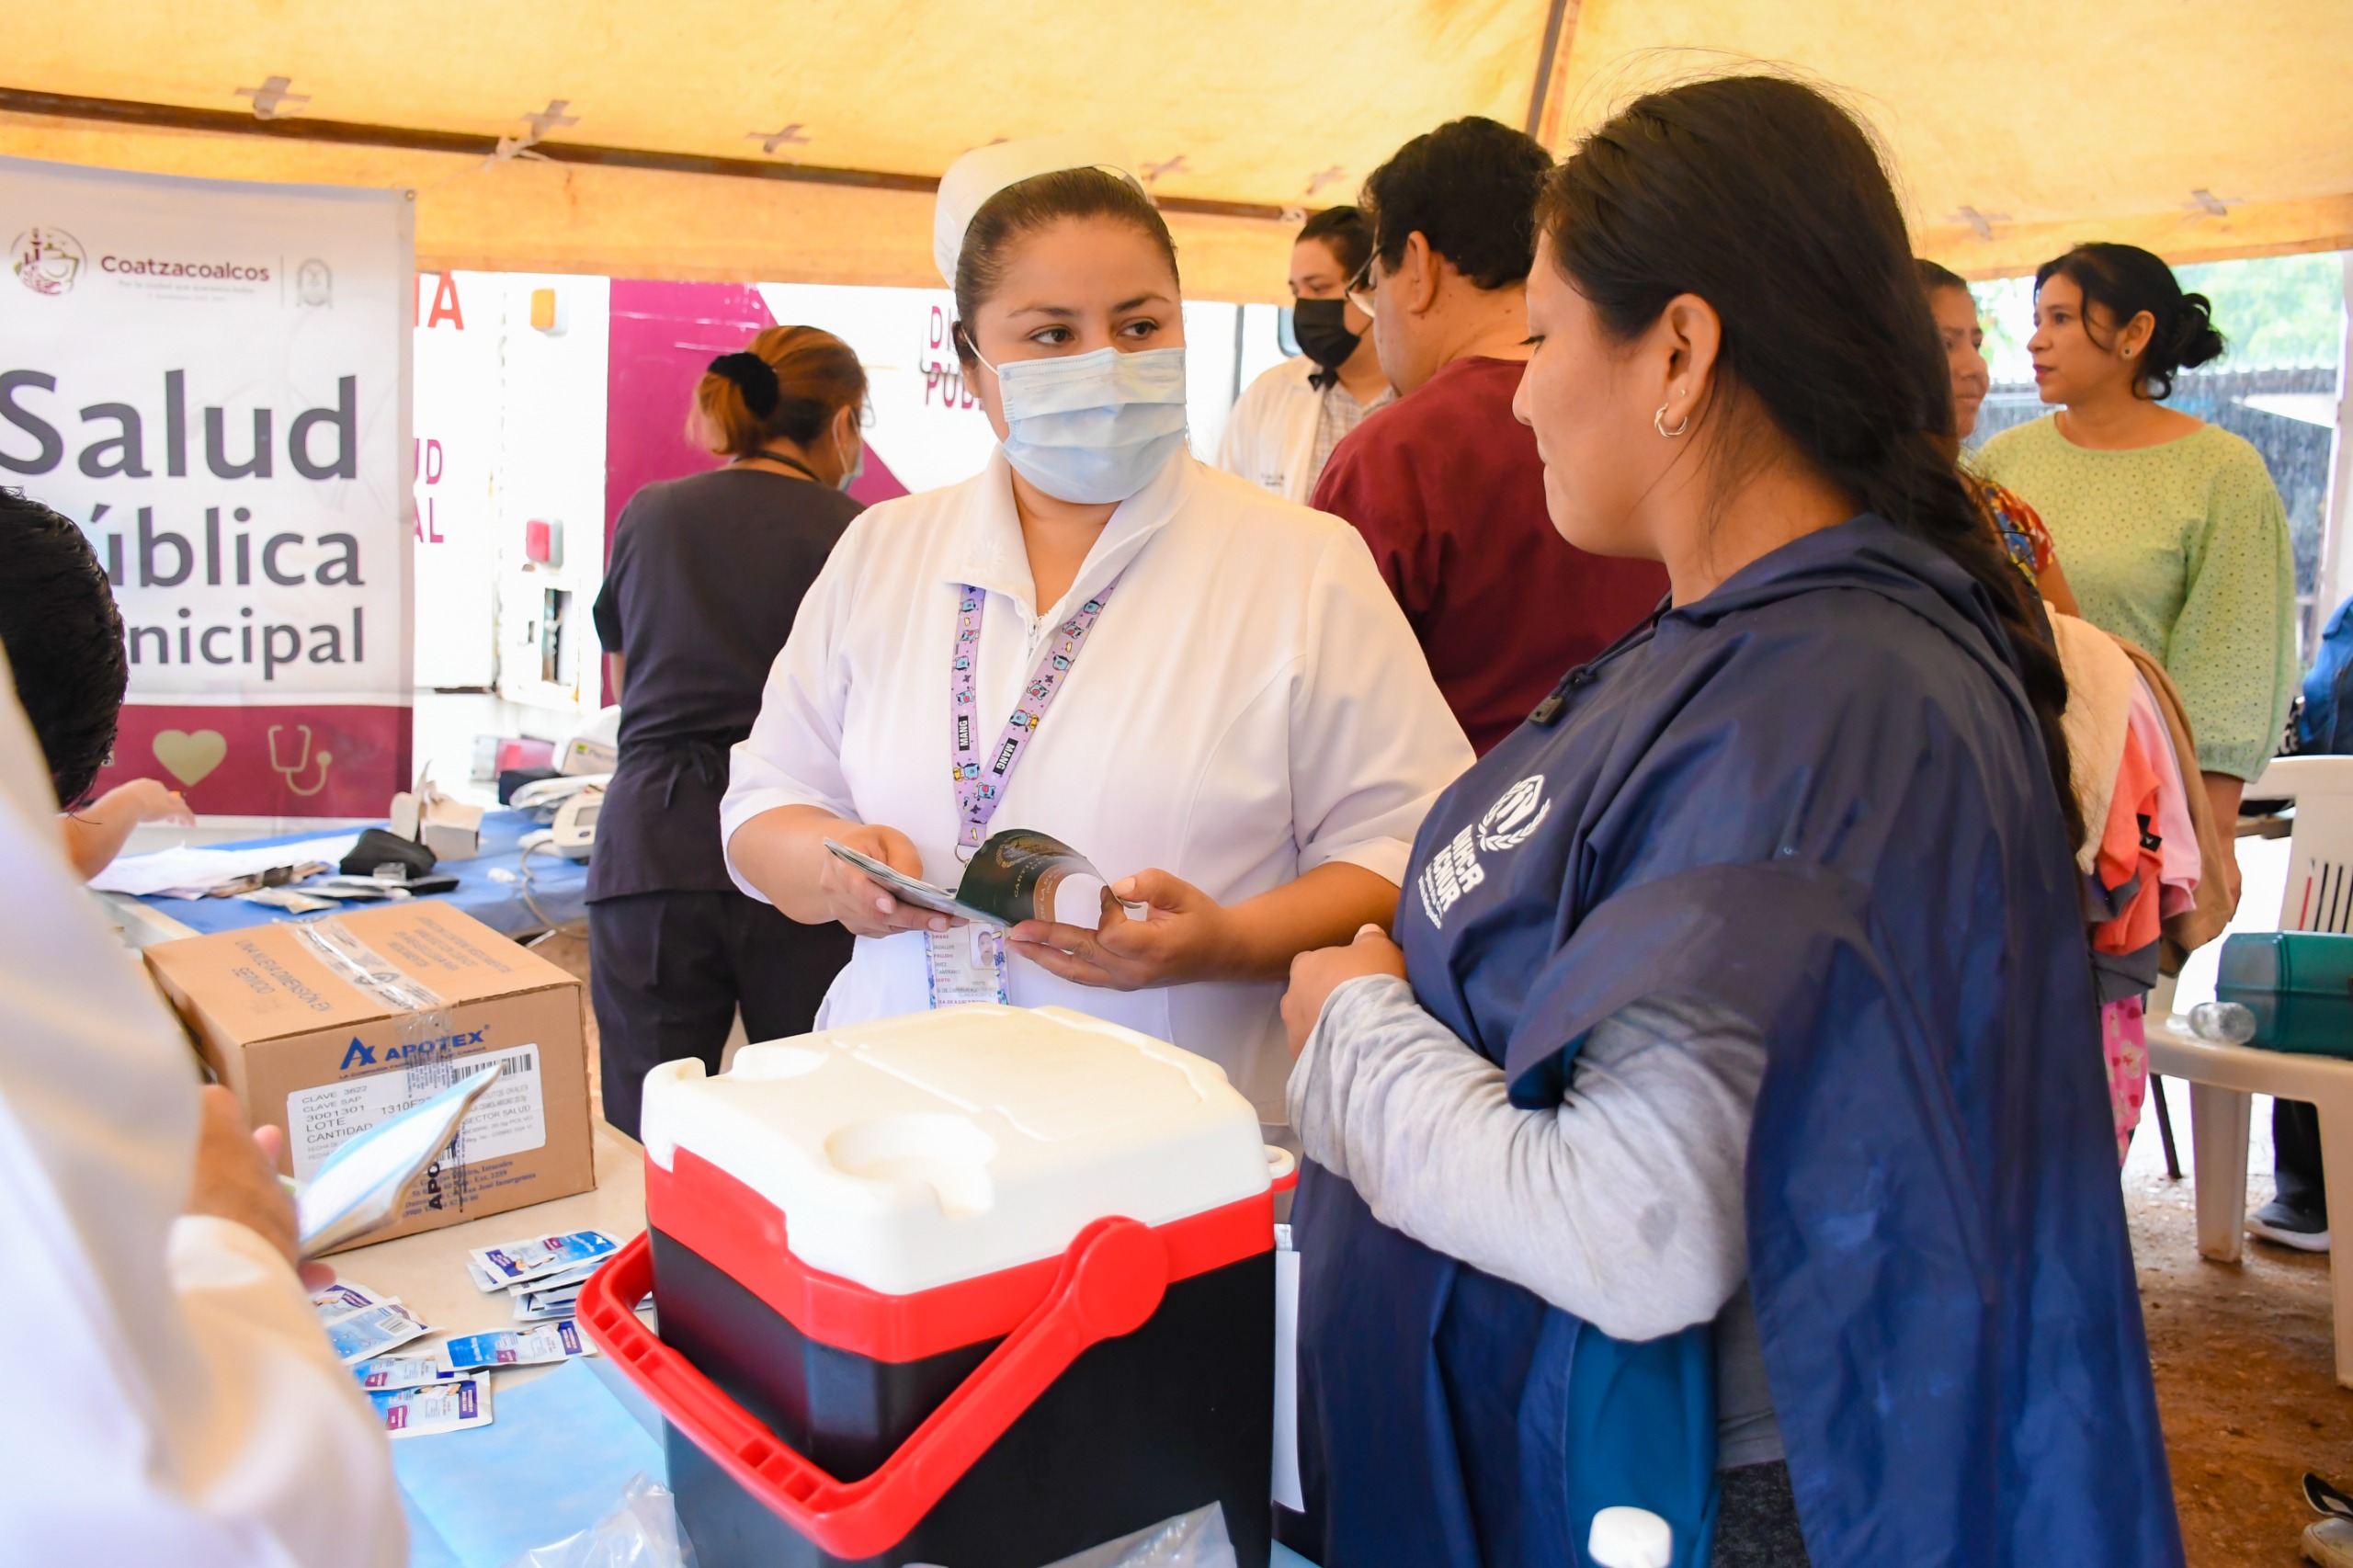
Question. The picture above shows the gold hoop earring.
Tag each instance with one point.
(1659, 420)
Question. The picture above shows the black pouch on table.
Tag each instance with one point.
(376, 847)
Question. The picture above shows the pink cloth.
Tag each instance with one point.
(2128, 854)
(2125, 1042)
(2177, 859)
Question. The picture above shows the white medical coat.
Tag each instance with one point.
(1250, 706)
(170, 1396)
(1270, 436)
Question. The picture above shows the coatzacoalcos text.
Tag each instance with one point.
(230, 271)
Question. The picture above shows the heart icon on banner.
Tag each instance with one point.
(188, 757)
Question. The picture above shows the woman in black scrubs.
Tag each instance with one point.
(706, 575)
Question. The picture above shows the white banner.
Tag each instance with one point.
(454, 450)
(211, 378)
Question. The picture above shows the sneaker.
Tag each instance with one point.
(2289, 1227)
(2328, 1542)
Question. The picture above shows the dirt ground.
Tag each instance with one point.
(2244, 1355)
(2245, 1362)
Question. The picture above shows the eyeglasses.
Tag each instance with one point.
(1362, 287)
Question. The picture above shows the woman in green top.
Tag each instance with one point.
(2172, 534)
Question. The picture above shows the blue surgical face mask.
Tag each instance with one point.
(852, 473)
(1093, 428)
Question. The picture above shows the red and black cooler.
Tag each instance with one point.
(982, 1286)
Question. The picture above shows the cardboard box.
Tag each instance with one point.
(316, 1026)
(449, 828)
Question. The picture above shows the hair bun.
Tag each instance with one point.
(2195, 339)
(754, 376)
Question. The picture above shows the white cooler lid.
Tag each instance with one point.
(916, 1151)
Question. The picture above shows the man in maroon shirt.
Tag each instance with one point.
(1445, 484)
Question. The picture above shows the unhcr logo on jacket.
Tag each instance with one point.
(1454, 869)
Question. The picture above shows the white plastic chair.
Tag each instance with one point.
(2223, 1078)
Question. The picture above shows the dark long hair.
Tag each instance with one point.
(1765, 199)
(2124, 280)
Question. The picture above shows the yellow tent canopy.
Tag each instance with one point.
(694, 139)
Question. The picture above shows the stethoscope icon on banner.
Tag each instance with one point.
(302, 762)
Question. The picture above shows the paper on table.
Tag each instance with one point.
(185, 872)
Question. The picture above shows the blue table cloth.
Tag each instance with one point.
(554, 1461)
(558, 1454)
(558, 886)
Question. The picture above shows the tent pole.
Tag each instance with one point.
(124, 111)
(1559, 20)
(2336, 572)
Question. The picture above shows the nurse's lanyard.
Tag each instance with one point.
(980, 782)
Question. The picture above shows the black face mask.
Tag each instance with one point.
(1321, 328)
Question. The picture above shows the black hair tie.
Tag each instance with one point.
(754, 376)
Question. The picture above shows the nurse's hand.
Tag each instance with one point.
(856, 900)
(1185, 935)
(1316, 975)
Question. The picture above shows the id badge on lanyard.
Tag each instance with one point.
(967, 964)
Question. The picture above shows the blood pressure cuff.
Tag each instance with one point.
(376, 847)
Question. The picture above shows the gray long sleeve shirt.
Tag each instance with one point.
(1621, 1206)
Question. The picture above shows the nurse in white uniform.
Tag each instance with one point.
(1205, 689)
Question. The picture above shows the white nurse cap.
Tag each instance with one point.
(980, 174)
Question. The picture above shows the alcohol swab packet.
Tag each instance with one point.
(366, 1334)
(437, 1407)
(343, 1298)
(402, 1371)
(540, 1309)
(484, 1280)
(576, 1275)
(517, 1348)
(513, 1263)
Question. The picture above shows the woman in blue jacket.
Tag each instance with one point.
(1727, 1136)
